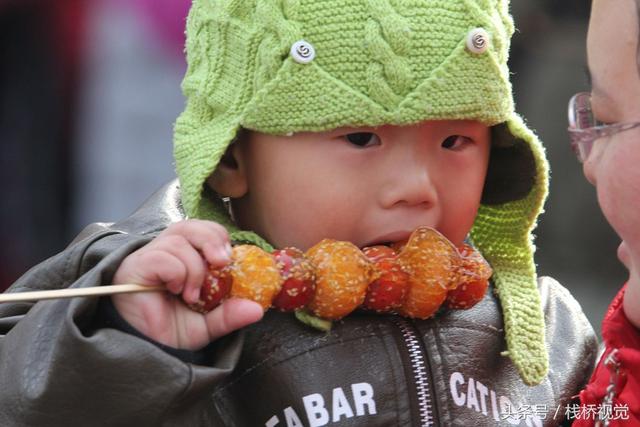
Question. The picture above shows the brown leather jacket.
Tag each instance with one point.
(59, 367)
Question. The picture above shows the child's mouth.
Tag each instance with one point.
(393, 239)
(385, 243)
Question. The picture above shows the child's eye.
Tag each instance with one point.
(363, 139)
(455, 142)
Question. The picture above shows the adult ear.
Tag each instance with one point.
(229, 178)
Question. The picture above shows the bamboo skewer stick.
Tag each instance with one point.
(77, 292)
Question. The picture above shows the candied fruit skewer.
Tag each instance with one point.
(335, 277)
(287, 280)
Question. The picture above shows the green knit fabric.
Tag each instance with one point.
(377, 62)
(502, 233)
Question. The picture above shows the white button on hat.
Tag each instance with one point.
(478, 40)
(303, 52)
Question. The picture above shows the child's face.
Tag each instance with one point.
(364, 185)
(613, 165)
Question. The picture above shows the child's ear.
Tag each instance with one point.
(229, 179)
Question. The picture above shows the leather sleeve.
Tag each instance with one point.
(58, 369)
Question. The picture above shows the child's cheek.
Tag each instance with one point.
(459, 216)
(456, 228)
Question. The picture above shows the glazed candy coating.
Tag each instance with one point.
(342, 275)
(216, 287)
(387, 292)
(473, 266)
(299, 277)
(432, 262)
(474, 273)
(255, 275)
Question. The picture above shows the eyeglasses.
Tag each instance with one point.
(584, 129)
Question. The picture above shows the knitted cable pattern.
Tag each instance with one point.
(389, 74)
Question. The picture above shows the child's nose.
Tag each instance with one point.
(412, 185)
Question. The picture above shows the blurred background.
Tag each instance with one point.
(89, 91)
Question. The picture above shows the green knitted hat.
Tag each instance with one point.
(283, 66)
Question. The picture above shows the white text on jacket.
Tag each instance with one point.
(319, 414)
(473, 394)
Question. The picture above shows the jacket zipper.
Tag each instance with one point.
(419, 368)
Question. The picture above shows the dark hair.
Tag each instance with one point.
(512, 168)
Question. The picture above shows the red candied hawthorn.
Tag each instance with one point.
(387, 292)
(299, 279)
(216, 287)
(474, 275)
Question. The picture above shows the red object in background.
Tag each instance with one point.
(68, 19)
(167, 20)
(41, 45)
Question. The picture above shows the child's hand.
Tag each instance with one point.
(175, 259)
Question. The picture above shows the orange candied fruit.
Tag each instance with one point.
(255, 275)
(432, 263)
(342, 275)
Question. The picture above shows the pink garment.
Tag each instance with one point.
(167, 19)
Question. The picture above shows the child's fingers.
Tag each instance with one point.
(217, 255)
(233, 314)
(175, 258)
(182, 249)
(210, 238)
(153, 267)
